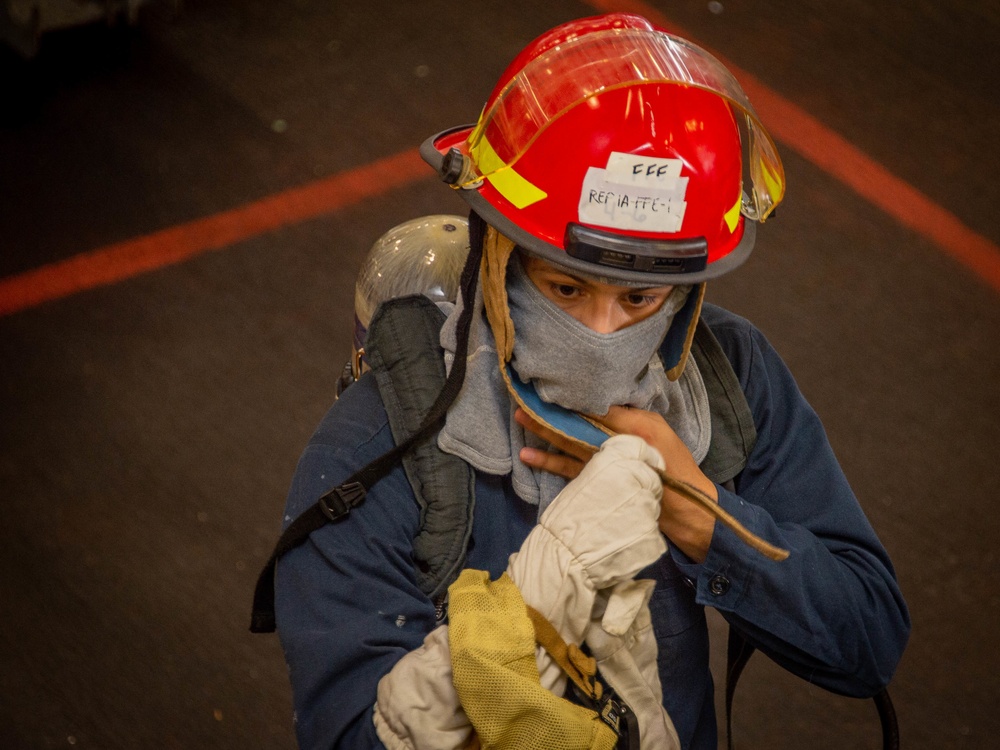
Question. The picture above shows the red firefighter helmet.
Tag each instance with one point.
(612, 147)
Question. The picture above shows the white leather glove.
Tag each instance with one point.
(599, 531)
(622, 641)
(417, 707)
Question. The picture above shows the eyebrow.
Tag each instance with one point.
(579, 280)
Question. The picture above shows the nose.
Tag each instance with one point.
(602, 315)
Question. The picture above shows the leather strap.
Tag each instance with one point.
(579, 667)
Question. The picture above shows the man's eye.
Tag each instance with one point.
(642, 300)
(565, 290)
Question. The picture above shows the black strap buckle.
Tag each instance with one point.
(613, 711)
(338, 502)
(616, 714)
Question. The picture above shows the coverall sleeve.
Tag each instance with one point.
(832, 612)
(347, 603)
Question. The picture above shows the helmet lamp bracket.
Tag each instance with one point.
(452, 166)
(458, 170)
(635, 253)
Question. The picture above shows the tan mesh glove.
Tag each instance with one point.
(599, 531)
(493, 657)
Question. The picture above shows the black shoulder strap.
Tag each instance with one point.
(733, 431)
(738, 653)
(733, 438)
(338, 502)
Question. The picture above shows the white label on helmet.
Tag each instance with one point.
(638, 170)
(635, 193)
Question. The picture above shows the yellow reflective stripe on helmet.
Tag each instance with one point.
(508, 183)
(774, 182)
(732, 216)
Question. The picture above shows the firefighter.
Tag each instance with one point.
(613, 171)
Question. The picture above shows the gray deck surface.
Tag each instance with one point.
(149, 428)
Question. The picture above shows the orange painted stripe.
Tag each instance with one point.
(792, 126)
(172, 245)
(830, 152)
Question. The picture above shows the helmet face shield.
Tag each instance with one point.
(569, 74)
(625, 130)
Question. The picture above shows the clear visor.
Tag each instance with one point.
(569, 74)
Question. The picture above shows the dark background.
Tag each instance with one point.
(149, 429)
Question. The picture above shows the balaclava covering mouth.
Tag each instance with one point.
(561, 356)
(574, 366)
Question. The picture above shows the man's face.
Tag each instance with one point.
(604, 308)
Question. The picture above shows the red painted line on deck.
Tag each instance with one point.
(812, 140)
(123, 260)
(792, 126)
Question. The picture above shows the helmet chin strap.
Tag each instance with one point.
(497, 250)
(691, 311)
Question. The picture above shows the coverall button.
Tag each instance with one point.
(718, 585)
